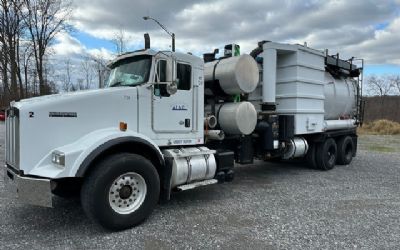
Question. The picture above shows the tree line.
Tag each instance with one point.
(27, 31)
(383, 85)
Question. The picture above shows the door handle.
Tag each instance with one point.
(187, 123)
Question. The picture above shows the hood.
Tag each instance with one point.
(64, 97)
(53, 121)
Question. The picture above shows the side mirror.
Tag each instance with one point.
(166, 82)
(172, 88)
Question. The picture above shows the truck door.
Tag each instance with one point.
(173, 113)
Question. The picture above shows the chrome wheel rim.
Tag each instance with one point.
(127, 193)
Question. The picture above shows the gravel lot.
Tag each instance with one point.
(268, 206)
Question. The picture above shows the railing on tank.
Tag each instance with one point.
(359, 99)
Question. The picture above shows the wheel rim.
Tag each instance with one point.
(331, 155)
(348, 151)
(127, 193)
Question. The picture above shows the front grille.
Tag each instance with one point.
(12, 138)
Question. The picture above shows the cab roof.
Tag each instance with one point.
(193, 60)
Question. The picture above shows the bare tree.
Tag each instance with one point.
(87, 70)
(395, 81)
(379, 85)
(382, 86)
(44, 19)
(10, 31)
(4, 75)
(100, 66)
(25, 63)
(66, 81)
(119, 41)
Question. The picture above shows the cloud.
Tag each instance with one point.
(101, 53)
(67, 45)
(348, 27)
(383, 47)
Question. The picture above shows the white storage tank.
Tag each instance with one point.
(236, 75)
(340, 98)
(237, 118)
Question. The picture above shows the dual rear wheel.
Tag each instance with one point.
(325, 155)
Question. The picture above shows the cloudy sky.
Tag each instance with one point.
(369, 29)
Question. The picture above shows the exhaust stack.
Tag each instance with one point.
(146, 41)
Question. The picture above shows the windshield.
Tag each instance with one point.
(130, 71)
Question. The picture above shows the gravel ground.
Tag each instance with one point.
(268, 206)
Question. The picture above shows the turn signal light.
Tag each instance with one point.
(123, 126)
(58, 158)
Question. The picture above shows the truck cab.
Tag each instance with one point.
(169, 88)
(152, 100)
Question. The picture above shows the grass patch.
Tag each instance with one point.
(382, 149)
(380, 127)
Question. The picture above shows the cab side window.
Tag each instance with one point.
(184, 76)
(161, 71)
(161, 76)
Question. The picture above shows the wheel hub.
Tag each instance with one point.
(127, 193)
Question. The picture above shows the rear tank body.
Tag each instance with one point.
(340, 97)
(304, 88)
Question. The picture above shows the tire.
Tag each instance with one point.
(346, 150)
(310, 156)
(129, 178)
(326, 154)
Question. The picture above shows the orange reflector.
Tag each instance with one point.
(123, 126)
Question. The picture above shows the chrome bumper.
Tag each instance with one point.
(28, 190)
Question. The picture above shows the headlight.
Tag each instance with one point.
(58, 158)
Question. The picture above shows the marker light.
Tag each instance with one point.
(58, 158)
(123, 126)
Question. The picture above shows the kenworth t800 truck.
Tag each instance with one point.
(170, 121)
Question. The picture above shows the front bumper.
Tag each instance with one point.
(34, 191)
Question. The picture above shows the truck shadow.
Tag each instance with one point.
(68, 216)
(261, 174)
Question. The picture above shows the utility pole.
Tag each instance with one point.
(164, 28)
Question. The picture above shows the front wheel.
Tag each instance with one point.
(121, 191)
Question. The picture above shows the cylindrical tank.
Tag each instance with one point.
(236, 75)
(190, 165)
(296, 147)
(340, 97)
(218, 135)
(237, 118)
(339, 124)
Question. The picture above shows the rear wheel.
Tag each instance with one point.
(346, 150)
(121, 191)
(310, 156)
(326, 154)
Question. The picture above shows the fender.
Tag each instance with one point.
(114, 142)
(79, 154)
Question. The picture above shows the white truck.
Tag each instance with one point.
(170, 121)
